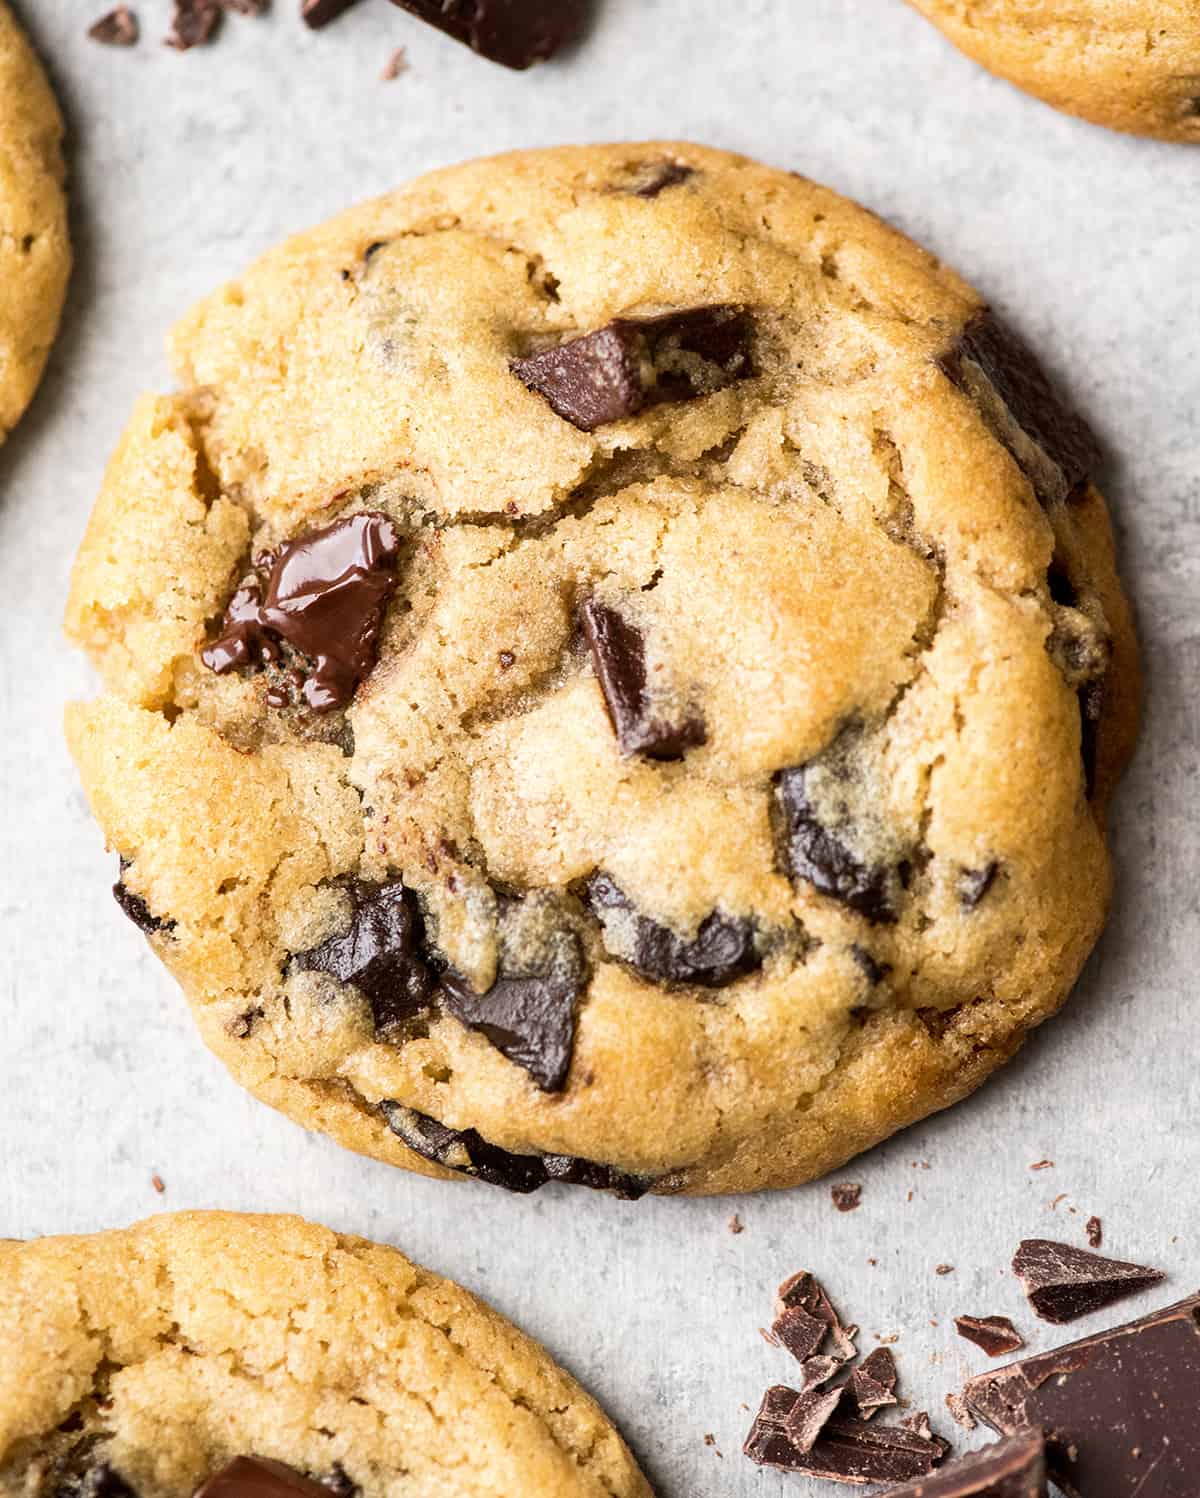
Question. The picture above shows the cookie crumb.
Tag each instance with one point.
(846, 1196)
(735, 1224)
(158, 1183)
(396, 64)
(944, 1269)
(119, 28)
(1042, 1165)
(1095, 1232)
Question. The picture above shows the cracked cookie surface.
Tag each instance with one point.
(1129, 64)
(35, 256)
(138, 1363)
(614, 671)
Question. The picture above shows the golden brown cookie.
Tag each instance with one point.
(152, 1363)
(35, 256)
(614, 673)
(1129, 64)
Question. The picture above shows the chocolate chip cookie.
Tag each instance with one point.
(1134, 65)
(35, 256)
(614, 671)
(221, 1356)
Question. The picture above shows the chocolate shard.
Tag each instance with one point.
(798, 1332)
(816, 853)
(849, 1451)
(136, 909)
(1051, 443)
(466, 1151)
(1064, 1283)
(193, 23)
(318, 13)
(617, 371)
(381, 952)
(722, 951)
(973, 884)
(809, 1416)
(805, 1291)
(919, 1425)
(324, 595)
(256, 1477)
(619, 657)
(118, 28)
(516, 33)
(872, 1385)
(847, 1196)
(1118, 1409)
(1012, 1468)
(820, 1368)
(995, 1334)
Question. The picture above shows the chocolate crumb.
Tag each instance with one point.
(846, 1196)
(1095, 1232)
(944, 1269)
(119, 28)
(193, 23)
(157, 1182)
(735, 1224)
(995, 1334)
(1042, 1165)
(396, 64)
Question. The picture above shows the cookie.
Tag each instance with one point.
(35, 256)
(1131, 66)
(266, 1357)
(614, 671)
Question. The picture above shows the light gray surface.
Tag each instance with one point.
(185, 166)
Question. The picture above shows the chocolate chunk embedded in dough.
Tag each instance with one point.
(517, 33)
(1064, 1282)
(256, 1477)
(722, 951)
(530, 1017)
(823, 856)
(619, 657)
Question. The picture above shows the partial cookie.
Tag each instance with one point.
(1129, 64)
(615, 670)
(196, 1353)
(35, 255)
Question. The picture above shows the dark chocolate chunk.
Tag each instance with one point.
(973, 884)
(528, 1017)
(136, 908)
(382, 952)
(1012, 1468)
(517, 33)
(817, 854)
(995, 1334)
(722, 951)
(919, 1425)
(1064, 1283)
(618, 370)
(850, 1451)
(806, 1291)
(193, 23)
(619, 657)
(464, 1150)
(1095, 1232)
(809, 1416)
(820, 1369)
(872, 1385)
(799, 1332)
(1118, 1409)
(324, 595)
(318, 13)
(1023, 397)
(847, 1196)
(663, 174)
(256, 1477)
(119, 28)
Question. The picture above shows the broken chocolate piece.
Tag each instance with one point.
(816, 853)
(1013, 1468)
(805, 1291)
(1051, 443)
(722, 951)
(119, 28)
(516, 33)
(1095, 1232)
(318, 13)
(193, 23)
(800, 1333)
(325, 595)
(848, 1451)
(846, 1196)
(466, 1151)
(381, 952)
(872, 1385)
(973, 884)
(809, 1416)
(619, 657)
(995, 1334)
(618, 370)
(1118, 1409)
(919, 1425)
(1064, 1283)
(136, 909)
(256, 1477)
(820, 1369)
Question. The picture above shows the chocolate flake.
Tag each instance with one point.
(847, 1196)
(995, 1334)
(381, 952)
(318, 13)
(325, 594)
(1118, 1409)
(256, 1477)
(618, 370)
(1064, 1283)
(849, 1451)
(516, 33)
(465, 1151)
(809, 1415)
(193, 23)
(816, 853)
(872, 1385)
(619, 657)
(1095, 1232)
(119, 28)
(722, 951)
(1012, 1468)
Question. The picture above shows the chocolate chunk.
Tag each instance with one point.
(136, 908)
(1012, 1468)
(466, 1151)
(919, 1425)
(805, 1291)
(800, 1333)
(619, 657)
(816, 853)
(1118, 1409)
(618, 370)
(995, 1334)
(1064, 1283)
(517, 33)
(256, 1477)
(722, 951)
(973, 884)
(663, 174)
(846, 1196)
(1053, 445)
(381, 952)
(820, 1369)
(1095, 1232)
(119, 28)
(324, 595)
(528, 1017)
(849, 1451)
(318, 13)
(193, 23)
(872, 1385)
(809, 1416)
